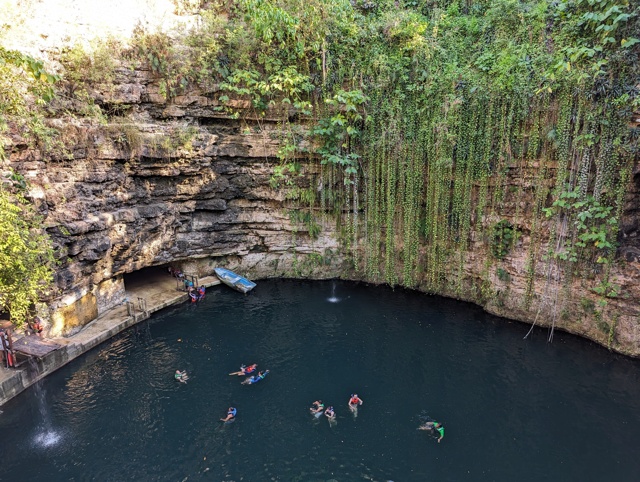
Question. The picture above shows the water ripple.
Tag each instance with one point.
(117, 413)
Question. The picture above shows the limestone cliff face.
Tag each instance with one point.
(179, 183)
(561, 299)
(171, 184)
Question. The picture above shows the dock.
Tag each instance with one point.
(145, 294)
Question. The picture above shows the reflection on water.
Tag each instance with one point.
(117, 413)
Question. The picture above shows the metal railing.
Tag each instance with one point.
(132, 309)
(183, 281)
(142, 304)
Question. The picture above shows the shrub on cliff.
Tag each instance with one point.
(26, 254)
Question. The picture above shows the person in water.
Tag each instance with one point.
(354, 401)
(317, 407)
(245, 370)
(435, 428)
(201, 292)
(231, 414)
(330, 414)
(255, 378)
(181, 376)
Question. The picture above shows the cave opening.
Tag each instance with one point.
(150, 286)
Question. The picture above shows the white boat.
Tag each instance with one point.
(234, 280)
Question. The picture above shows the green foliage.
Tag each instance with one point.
(26, 255)
(286, 86)
(595, 225)
(25, 88)
(425, 118)
(126, 136)
(38, 82)
(307, 219)
(167, 58)
(94, 66)
(165, 145)
(588, 306)
(607, 289)
(336, 133)
(593, 34)
(503, 275)
(503, 236)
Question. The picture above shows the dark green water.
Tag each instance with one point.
(513, 409)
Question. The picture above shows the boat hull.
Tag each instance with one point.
(234, 280)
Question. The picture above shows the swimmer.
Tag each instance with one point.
(255, 378)
(181, 376)
(434, 428)
(245, 370)
(231, 414)
(317, 407)
(354, 401)
(330, 414)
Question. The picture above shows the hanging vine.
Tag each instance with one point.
(441, 135)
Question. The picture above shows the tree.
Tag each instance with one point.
(26, 253)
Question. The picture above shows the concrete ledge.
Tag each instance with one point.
(15, 381)
(37, 368)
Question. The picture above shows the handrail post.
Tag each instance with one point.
(131, 309)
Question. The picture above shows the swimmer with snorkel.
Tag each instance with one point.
(245, 370)
(435, 428)
(181, 376)
(231, 415)
(255, 378)
(317, 408)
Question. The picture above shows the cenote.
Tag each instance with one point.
(513, 409)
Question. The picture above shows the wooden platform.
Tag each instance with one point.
(34, 346)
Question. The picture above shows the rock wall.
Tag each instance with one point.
(178, 183)
(189, 190)
(181, 184)
(561, 299)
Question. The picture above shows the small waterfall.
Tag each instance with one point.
(45, 435)
(333, 298)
